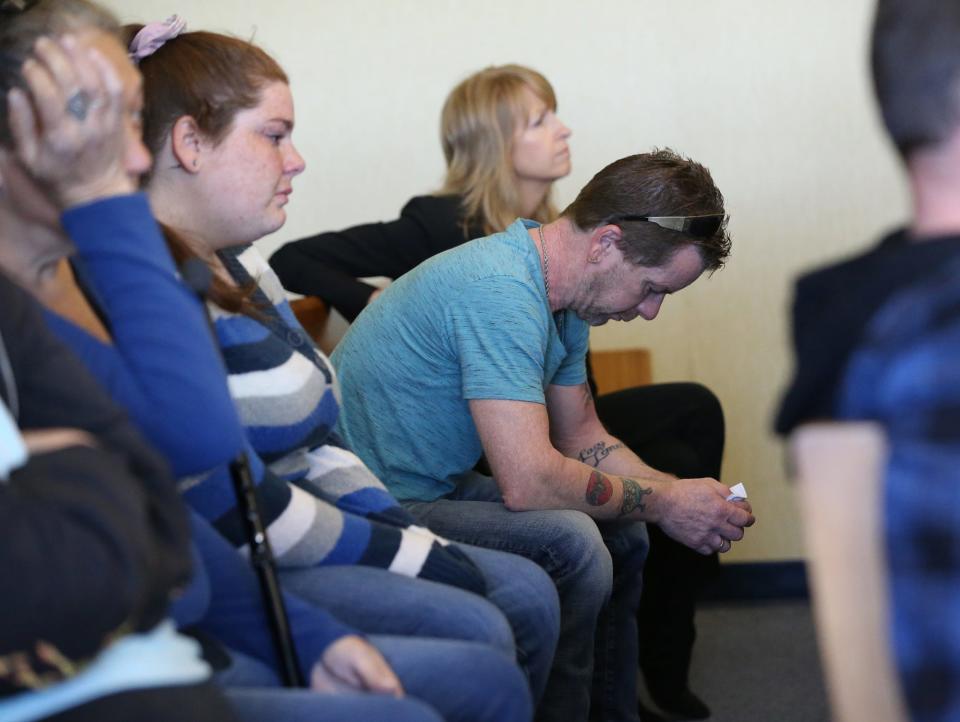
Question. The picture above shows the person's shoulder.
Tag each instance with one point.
(870, 277)
(440, 220)
(439, 210)
(505, 253)
(843, 271)
(904, 368)
(477, 263)
(246, 263)
(436, 201)
(923, 309)
(894, 254)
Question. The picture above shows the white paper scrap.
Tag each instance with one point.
(737, 493)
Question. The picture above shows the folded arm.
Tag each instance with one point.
(559, 456)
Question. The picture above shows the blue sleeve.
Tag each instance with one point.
(573, 370)
(192, 603)
(497, 327)
(175, 388)
(237, 617)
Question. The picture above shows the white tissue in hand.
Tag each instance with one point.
(737, 493)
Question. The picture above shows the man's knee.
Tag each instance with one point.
(577, 550)
(629, 545)
(540, 599)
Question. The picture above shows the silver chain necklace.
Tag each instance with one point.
(558, 316)
(546, 264)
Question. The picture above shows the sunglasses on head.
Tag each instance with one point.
(698, 226)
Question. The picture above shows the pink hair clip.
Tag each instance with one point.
(153, 35)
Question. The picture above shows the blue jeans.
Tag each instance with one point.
(380, 601)
(528, 599)
(520, 616)
(443, 679)
(597, 573)
(267, 704)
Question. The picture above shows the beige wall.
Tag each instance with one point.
(772, 96)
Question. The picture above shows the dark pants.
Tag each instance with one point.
(676, 428)
(193, 703)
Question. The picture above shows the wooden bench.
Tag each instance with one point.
(313, 314)
(621, 369)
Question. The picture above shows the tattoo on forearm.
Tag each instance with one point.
(633, 495)
(599, 489)
(597, 453)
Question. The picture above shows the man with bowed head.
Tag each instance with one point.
(481, 350)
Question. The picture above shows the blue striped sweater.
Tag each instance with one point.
(323, 505)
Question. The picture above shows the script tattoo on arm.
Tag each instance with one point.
(597, 453)
(633, 495)
(599, 489)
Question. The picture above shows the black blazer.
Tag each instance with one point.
(831, 311)
(327, 265)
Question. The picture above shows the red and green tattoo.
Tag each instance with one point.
(599, 489)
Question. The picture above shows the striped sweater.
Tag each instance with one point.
(322, 504)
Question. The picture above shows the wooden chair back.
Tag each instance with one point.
(621, 369)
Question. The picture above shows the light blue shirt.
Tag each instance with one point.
(470, 323)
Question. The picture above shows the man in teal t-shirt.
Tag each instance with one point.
(481, 349)
(473, 324)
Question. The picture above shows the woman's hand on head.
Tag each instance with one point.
(67, 126)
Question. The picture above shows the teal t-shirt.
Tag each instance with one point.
(470, 323)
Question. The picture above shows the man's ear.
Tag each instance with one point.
(603, 240)
(186, 143)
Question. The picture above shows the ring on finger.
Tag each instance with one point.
(78, 104)
(724, 545)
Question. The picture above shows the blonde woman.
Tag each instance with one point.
(504, 146)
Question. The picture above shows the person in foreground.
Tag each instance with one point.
(505, 147)
(888, 353)
(95, 537)
(481, 349)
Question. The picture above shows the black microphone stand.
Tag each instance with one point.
(197, 276)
